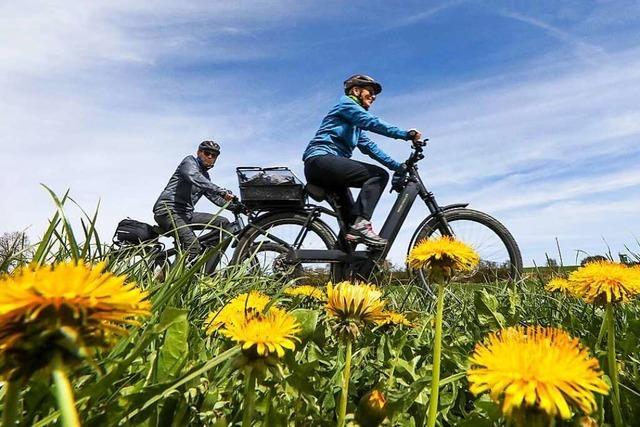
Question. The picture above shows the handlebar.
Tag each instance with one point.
(243, 209)
(416, 155)
(400, 178)
(420, 143)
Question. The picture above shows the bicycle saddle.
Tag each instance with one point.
(318, 194)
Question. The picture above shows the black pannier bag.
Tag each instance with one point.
(270, 188)
(132, 231)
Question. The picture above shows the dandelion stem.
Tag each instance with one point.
(437, 350)
(613, 366)
(346, 376)
(603, 330)
(249, 396)
(64, 393)
(11, 400)
(391, 377)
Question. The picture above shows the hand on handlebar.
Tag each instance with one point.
(399, 178)
(237, 207)
(415, 135)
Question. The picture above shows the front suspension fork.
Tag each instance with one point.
(437, 212)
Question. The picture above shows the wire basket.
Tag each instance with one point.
(270, 188)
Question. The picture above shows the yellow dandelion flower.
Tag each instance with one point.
(360, 302)
(253, 300)
(394, 318)
(41, 305)
(537, 368)
(605, 282)
(263, 334)
(558, 284)
(445, 254)
(307, 291)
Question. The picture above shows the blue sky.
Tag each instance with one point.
(532, 107)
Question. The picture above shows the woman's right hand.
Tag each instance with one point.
(415, 135)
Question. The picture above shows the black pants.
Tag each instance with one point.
(337, 174)
(183, 227)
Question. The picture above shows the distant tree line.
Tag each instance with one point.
(15, 249)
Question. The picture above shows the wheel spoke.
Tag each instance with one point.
(270, 255)
(499, 253)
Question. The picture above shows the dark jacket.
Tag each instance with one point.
(342, 130)
(187, 185)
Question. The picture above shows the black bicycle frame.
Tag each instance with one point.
(412, 188)
(209, 238)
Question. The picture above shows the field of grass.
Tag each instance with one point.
(168, 371)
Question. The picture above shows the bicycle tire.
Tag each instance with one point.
(455, 218)
(248, 244)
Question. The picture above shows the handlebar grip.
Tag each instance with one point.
(421, 143)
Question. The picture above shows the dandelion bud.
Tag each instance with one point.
(372, 409)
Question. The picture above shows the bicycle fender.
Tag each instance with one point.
(454, 206)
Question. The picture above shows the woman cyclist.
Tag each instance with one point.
(328, 163)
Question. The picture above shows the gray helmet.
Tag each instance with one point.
(209, 146)
(361, 80)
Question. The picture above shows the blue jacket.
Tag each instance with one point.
(341, 131)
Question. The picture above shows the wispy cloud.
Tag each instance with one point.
(562, 135)
(107, 97)
(584, 50)
(41, 37)
(417, 17)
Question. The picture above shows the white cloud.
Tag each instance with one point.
(82, 108)
(584, 50)
(514, 144)
(41, 38)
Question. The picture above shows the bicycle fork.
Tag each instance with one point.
(438, 213)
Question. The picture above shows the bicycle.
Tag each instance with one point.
(294, 239)
(142, 241)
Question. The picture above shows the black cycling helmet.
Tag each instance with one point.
(209, 146)
(361, 80)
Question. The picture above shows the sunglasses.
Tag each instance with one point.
(371, 93)
(209, 153)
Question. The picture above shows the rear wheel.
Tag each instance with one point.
(500, 258)
(268, 241)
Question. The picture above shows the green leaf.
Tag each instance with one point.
(406, 366)
(475, 420)
(302, 378)
(175, 348)
(308, 320)
(71, 243)
(487, 310)
(488, 408)
(514, 302)
(194, 373)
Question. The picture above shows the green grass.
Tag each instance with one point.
(167, 372)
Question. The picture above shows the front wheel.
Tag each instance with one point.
(500, 258)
